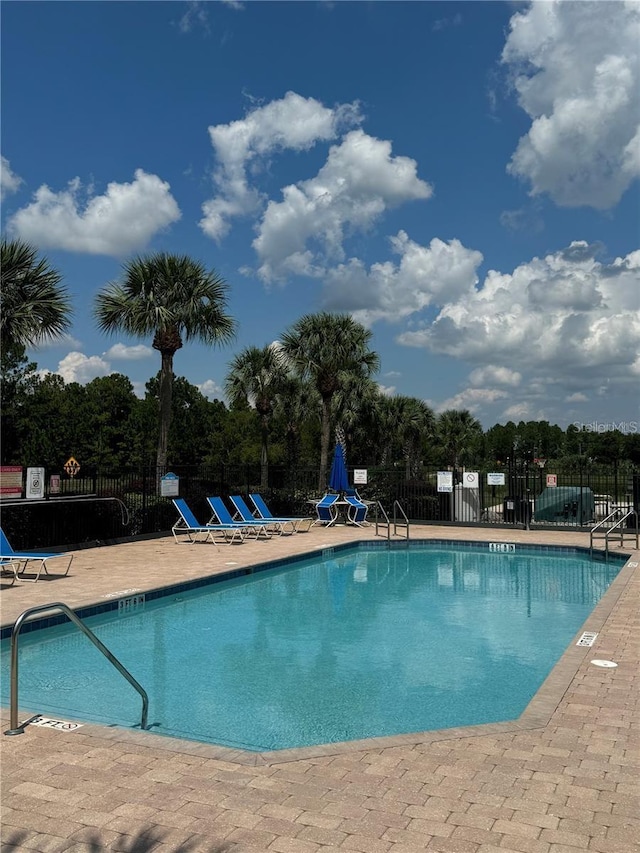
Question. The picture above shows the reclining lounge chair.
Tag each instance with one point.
(255, 527)
(264, 512)
(20, 562)
(274, 525)
(189, 526)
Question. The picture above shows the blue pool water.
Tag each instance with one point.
(358, 643)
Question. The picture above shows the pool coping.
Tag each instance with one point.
(536, 715)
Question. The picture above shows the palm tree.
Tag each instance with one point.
(408, 420)
(457, 431)
(256, 376)
(170, 297)
(34, 307)
(325, 348)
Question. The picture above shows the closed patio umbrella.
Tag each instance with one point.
(338, 479)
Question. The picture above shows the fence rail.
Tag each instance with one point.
(105, 506)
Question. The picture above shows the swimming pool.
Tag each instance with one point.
(361, 642)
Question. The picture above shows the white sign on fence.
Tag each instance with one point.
(445, 481)
(471, 480)
(170, 485)
(35, 483)
(496, 478)
(359, 476)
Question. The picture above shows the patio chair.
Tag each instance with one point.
(356, 511)
(21, 561)
(189, 526)
(255, 527)
(274, 525)
(327, 510)
(264, 512)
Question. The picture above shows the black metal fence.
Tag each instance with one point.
(101, 507)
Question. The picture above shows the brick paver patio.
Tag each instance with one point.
(561, 779)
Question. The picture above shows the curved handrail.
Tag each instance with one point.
(397, 506)
(380, 508)
(18, 730)
(617, 525)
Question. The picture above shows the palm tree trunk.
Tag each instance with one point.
(325, 437)
(165, 393)
(264, 456)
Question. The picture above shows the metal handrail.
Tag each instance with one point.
(380, 508)
(614, 526)
(19, 729)
(405, 523)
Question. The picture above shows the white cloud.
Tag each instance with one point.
(358, 183)
(578, 397)
(518, 412)
(576, 70)
(120, 352)
(291, 123)
(495, 375)
(211, 389)
(9, 181)
(472, 399)
(566, 309)
(436, 274)
(78, 367)
(551, 328)
(125, 218)
(387, 390)
(195, 17)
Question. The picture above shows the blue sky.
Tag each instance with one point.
(461, 177)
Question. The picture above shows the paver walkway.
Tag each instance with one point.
(563, 779)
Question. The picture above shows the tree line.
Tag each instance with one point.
(288, 401)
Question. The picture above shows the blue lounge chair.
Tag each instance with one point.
(357, 511)
(274, 525)
(21, 561)
(256, 527)
(264, 512)
(327, 510)
(189, 526)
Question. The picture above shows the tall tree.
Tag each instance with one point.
(170, 297)
(325, 348)
(457, 432)
(34, 307)
(407, 422)
(256, 376)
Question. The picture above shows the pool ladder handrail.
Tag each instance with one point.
(397, 509)
(616, 524)
(19, 729)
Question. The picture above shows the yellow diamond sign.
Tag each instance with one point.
(71, 466)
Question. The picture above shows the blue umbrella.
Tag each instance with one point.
(338, 479)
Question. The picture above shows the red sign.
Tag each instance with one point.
(11, 481)
(552, 480)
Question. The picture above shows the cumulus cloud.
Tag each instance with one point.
(425, 275)
(360, 180)
(290, 123)
(211, 389)
(81, 368)
(576, 70)
(567, 316)
(9, 181)
(121, 220)
(471, 399)
(495, 375)
(121, 352)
